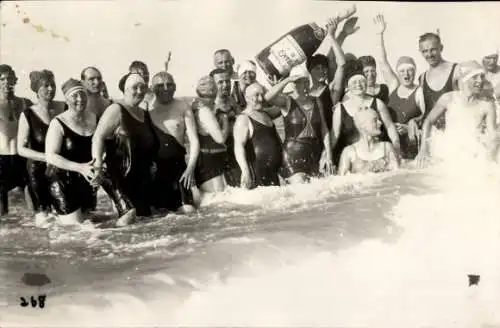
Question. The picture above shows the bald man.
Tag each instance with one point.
(173, 119)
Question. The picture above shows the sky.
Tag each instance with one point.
(66, 36)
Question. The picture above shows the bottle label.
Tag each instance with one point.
(319, 33)
(285, 54)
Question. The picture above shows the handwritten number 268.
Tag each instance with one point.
(33, 301)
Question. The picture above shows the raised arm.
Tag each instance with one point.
(23, 133)
(389, 75)
(108, 123)
(209, 123)
(385, 116)
(241, 136)
(337, 82)
(273, 95)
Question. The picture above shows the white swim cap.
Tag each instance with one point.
(469, 69)
(300, 70)
(247, 66)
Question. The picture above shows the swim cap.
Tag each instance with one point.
(160, 77)
(71, 85)
(301, 71)
(36, 78)
(469, 69)
(4, 68)
(206, 87)
(247, 66)
(405, 61)
(129, 79)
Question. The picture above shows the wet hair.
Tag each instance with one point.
(367, 61)
(136, 64)
(316, 60)
(217, 71)
(163, 75)
(36, 77)
(84, 71)
(428, 36)
(351, 68)
(4, 68)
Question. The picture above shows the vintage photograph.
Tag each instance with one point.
(250, 163)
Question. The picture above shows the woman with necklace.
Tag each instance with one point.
(12, 166)
(306, 132)
(68, 154)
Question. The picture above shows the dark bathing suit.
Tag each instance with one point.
(232, 171)
(349, 134)
(402, 110)
(302, 145)
(264, 154)
(431, 97)
(168, 192)
(129, 159)
(69, 189)
(38, 184)
(212, 160)
(383, 93)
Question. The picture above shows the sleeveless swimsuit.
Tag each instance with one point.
(302, 144)
(38, 184)
(365, 166)
(168, 192)
(402, 110)
(129, 159)
(349, 133)
(431, 97)
(13, 167)
(232, 172)
(69, 189)
(383, 93)
(264, 154)
(212, 160)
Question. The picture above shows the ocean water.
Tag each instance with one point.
(387, 250)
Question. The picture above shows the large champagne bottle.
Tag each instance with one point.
(293, 48)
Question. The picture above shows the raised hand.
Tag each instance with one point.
(380, 24)
(332, 25)
(350, 26)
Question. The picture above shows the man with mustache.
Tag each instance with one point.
(440, 78)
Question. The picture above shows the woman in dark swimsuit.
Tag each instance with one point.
(306, 132)
(212, 159)
(327, 74)
(33, 125)
(344, 132)
(126, 135)
(380, 91)
(68, 155)
(257, 143)
(406, 97)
